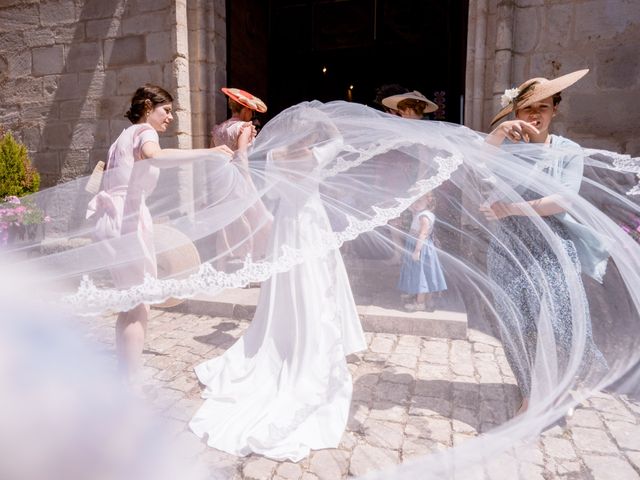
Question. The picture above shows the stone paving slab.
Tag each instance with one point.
(412, 396)
(382, 317)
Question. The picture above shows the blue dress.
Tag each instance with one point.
(425, 275)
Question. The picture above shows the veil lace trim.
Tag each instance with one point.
(89, 299)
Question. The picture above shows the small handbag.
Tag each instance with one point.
(95, 180)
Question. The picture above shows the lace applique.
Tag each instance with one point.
(92, 300)
(621, 163)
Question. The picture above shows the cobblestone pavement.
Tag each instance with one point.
(412, 395)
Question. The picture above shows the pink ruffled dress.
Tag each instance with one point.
(124, 223)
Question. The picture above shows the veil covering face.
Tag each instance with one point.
(559, 291)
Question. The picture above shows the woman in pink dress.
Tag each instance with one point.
(231, 241)
(124, 224)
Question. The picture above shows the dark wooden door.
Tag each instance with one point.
(293, 50)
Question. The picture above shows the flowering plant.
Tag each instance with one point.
(510, 94)
(16, 214)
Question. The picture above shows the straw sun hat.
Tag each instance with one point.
(392, 101)
(533, 91)
(245, 98)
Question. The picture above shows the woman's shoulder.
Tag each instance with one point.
(563, 142)
(143, 132)
(143, 127)
(227, 133)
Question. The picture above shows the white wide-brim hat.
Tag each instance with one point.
(392, 101)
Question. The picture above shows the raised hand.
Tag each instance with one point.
(246, 136)
(515, 130)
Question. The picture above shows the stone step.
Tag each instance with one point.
(376, 317)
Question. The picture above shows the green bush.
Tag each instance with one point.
(17, 176)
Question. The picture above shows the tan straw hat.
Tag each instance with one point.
(245, 98)
(393, 100)
(534, 90)
(176, 256)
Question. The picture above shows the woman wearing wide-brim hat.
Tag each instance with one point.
(243, 106)
(237, 133)
(410, 105)
(534, 103)
(521, 260)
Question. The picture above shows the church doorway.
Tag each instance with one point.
(288, 51)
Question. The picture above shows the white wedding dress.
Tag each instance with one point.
(284, 387)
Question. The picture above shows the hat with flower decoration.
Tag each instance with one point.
(534, 90)
(245, 98)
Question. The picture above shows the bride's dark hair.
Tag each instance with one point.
(146, 98)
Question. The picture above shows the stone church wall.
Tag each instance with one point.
(513, 40)
(68, 70)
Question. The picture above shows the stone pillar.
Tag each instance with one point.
(476, 63)
(489, 58)
(182, 102)
(68, 69)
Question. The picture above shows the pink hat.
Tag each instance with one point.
(245, 98)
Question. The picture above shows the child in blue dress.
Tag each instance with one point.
(421, 273)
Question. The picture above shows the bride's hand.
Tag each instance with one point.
(223, 149)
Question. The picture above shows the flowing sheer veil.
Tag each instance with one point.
(371, 168)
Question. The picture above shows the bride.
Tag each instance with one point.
(284, 387)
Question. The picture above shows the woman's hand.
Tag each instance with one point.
(496, 211)
(514, 130)
(416, 256)
(247, 133)
(223, 149)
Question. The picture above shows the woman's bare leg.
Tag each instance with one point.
(131, 329)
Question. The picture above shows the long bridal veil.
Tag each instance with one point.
(559, 292)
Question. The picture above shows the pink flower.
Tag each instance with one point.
(47, 219)
(625, 228)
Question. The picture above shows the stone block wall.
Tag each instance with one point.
(68, 69)
(513, 40)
